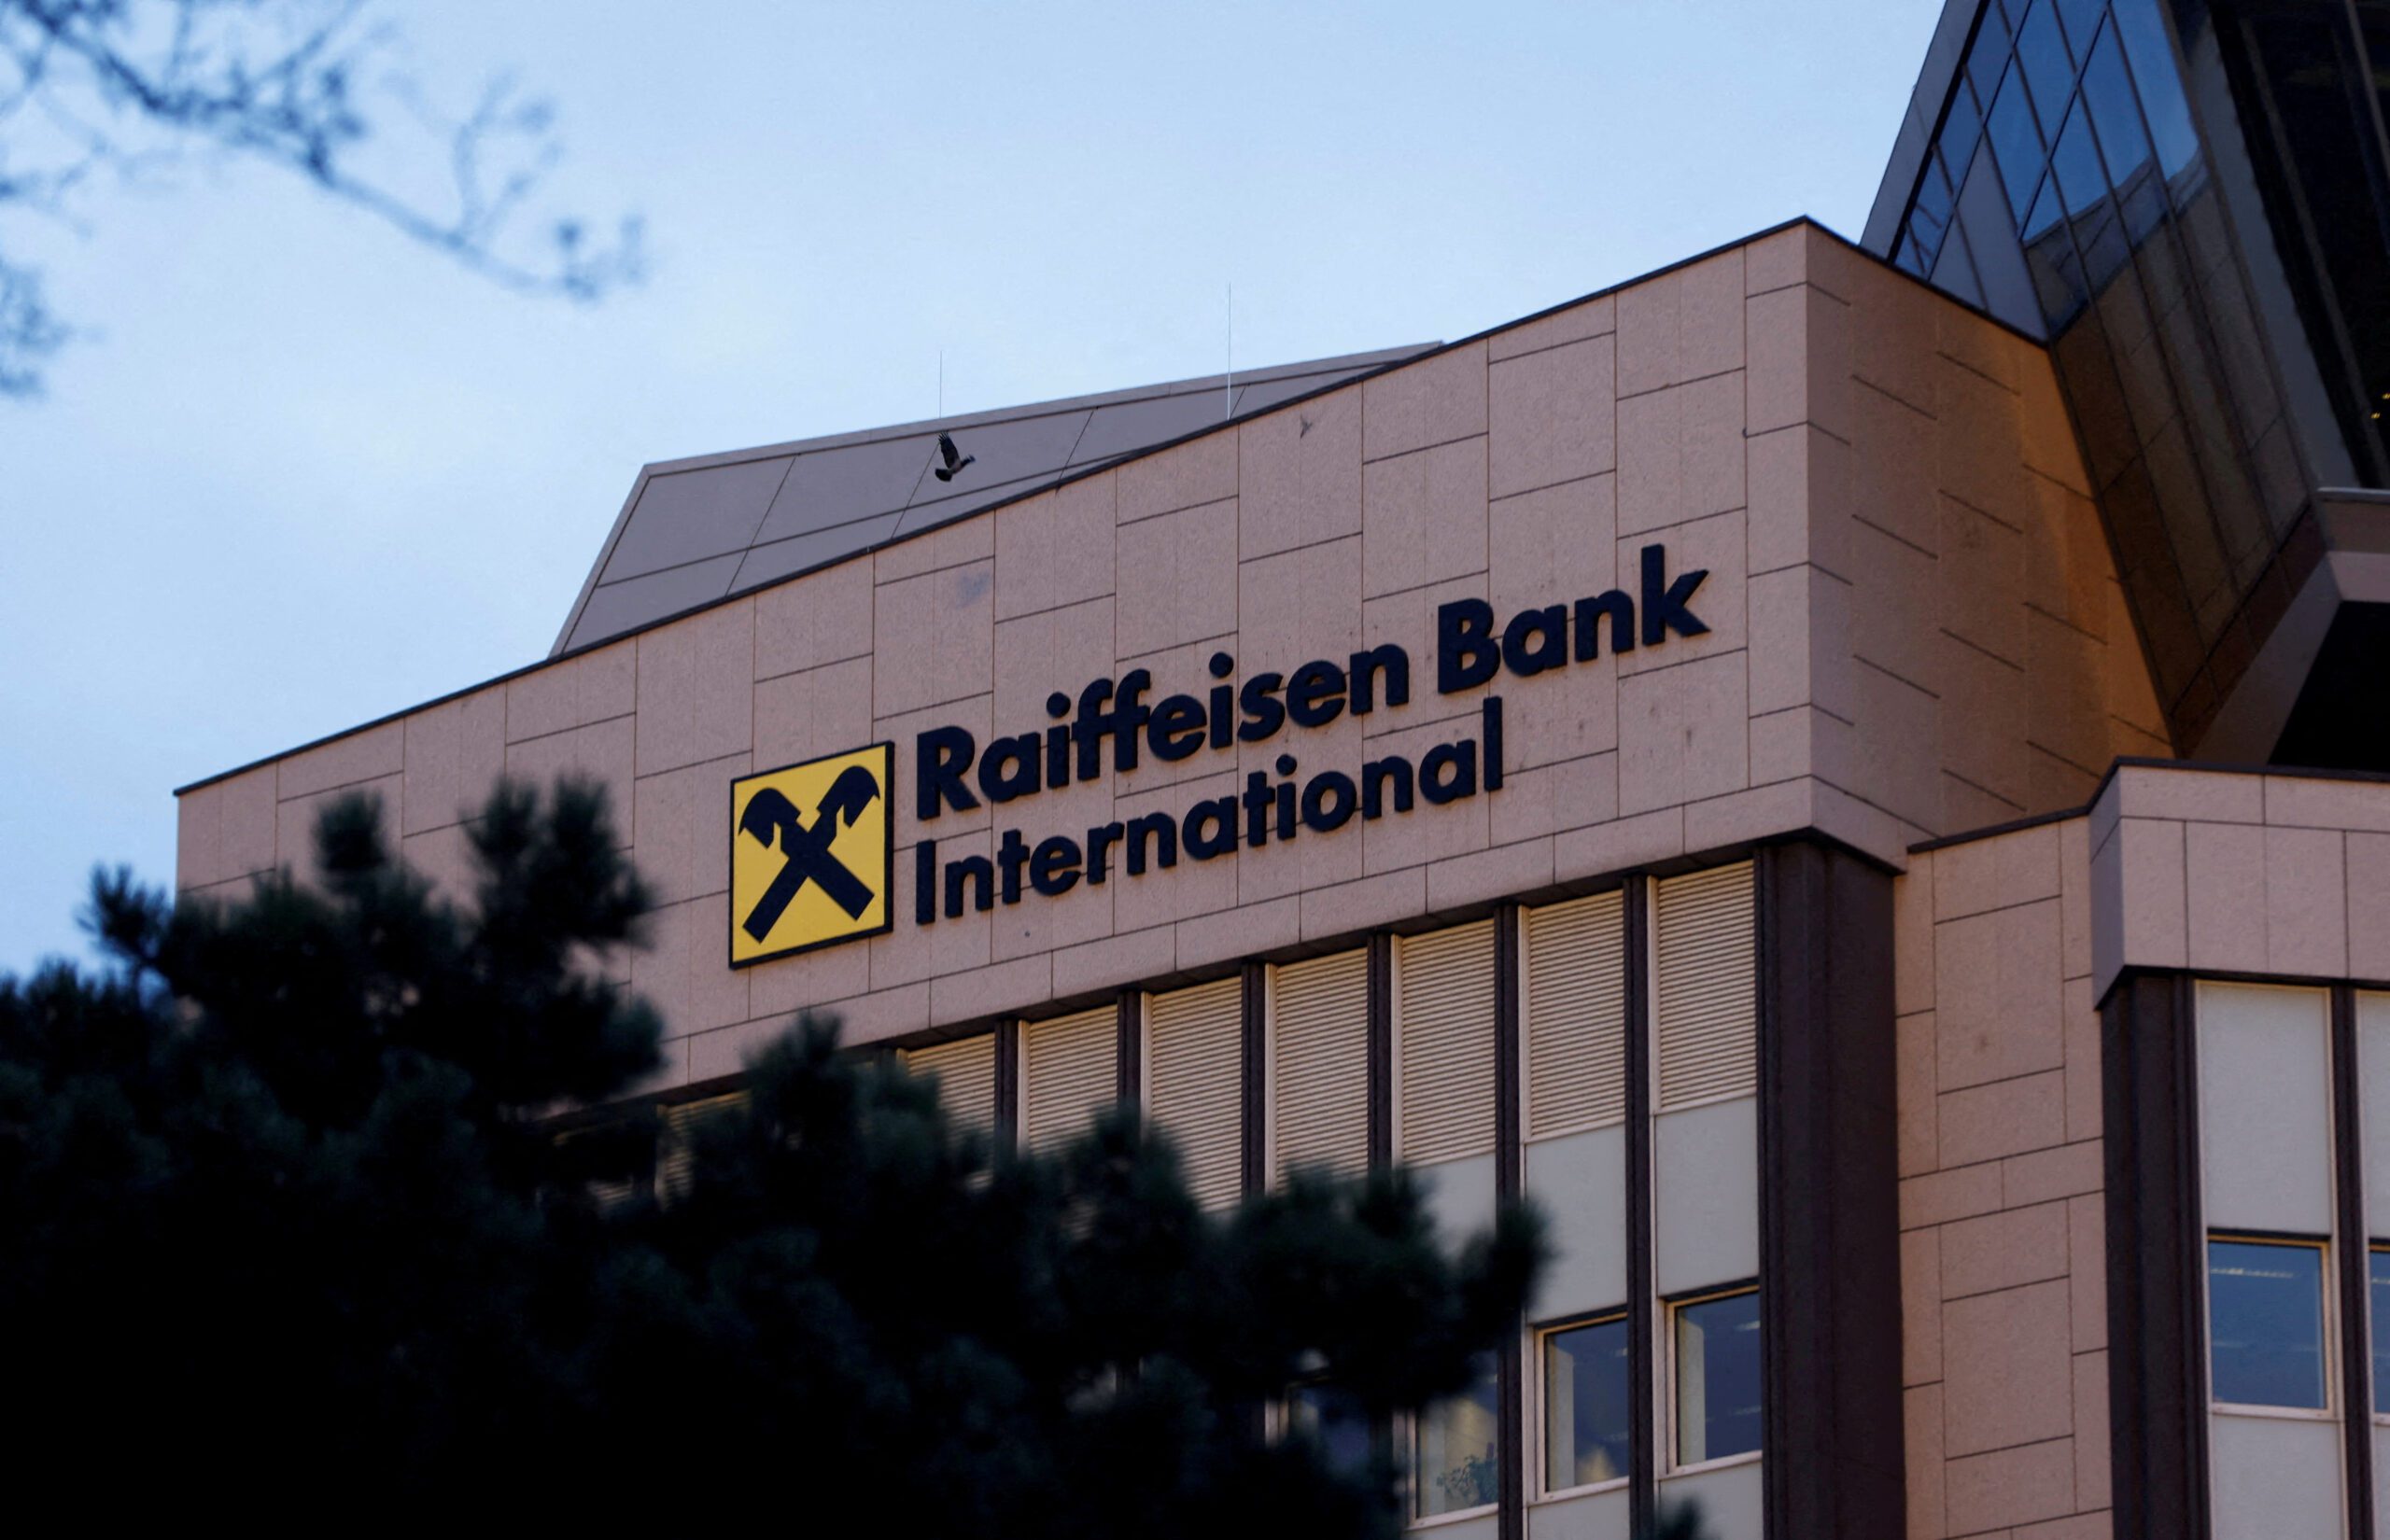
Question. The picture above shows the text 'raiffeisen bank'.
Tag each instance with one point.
(952, 773)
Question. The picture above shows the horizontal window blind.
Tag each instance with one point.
(965, 1071)
(1320, 1063)
(1576, 1015)
(1444, 1041)
(678, 1158)
(1069, 1073)
(1706, 987)
(1195, 1092)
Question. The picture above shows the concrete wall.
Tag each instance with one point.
(2005, 945)
(2235, 872)
(1883, 488)
(2003, 1227)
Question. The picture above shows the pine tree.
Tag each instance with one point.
(286, 1209)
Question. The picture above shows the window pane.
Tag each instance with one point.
(2048, 69)
(2124, 141)
(1959, 129)
(2081, 18)
(2049, 256)
(1955, 273)
(1454, 1466)
(1329, 1420)
(2161, 88)
(2084, 188)
(2077, 164)
(1930, 218)
(1717, 1377)
(2322, 130)
(1990, 54)
(2109, 93)
(2380, 1278)
(2016, 143)
(1585, 1416)
(2265, 1315)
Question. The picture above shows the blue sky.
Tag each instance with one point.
(301, 473)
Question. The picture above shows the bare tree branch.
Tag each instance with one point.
(306, 85)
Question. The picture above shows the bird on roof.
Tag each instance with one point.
(955, 459)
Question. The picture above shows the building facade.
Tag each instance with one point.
(1850, 774)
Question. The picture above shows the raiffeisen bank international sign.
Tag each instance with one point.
(812, 849)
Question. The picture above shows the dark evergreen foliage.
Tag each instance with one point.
(285, 1217)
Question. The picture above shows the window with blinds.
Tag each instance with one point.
(1444, 1042)
(965, 1071)
(677, 1159)
(1195, 1083)
(1575, 1008)
(1068, 1074)
(1320, 1063)
(1705, 987)
(610, 1192)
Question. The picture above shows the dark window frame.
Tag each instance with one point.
(1672, 1309)
(1540, 1334)
(2327, 1338)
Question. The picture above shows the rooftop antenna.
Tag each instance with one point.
(1227, 382)
(941, 382)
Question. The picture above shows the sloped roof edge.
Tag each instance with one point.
(1797, 221)
(726, 533)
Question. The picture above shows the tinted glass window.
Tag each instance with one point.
(2373, 17)
(2080, 19)
(1585, 1412)
(1932, 216)
(1959, 130)
(2108, 92)
(1717, 1377)
(2045, 215)
(2160, 88)
(2049, 256)
(2380, 1279)
(2077, 164)
(2323, 133)
(2083, 189)
(2016, 143)
(1990, 54)
(1955, 271)
(2265, 1315)
(1456, 1462)
(1329, 1419)
(2048, 69)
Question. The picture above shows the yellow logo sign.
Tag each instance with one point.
(811, 861)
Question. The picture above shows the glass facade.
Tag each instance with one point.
(2069, 191)
(2307, 76)
(2265, 1301)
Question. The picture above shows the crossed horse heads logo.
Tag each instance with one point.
(809, 850)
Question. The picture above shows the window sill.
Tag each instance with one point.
(1462, 1515)
(1724, 1462)
(1592, 1490)
(2279, 1414)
